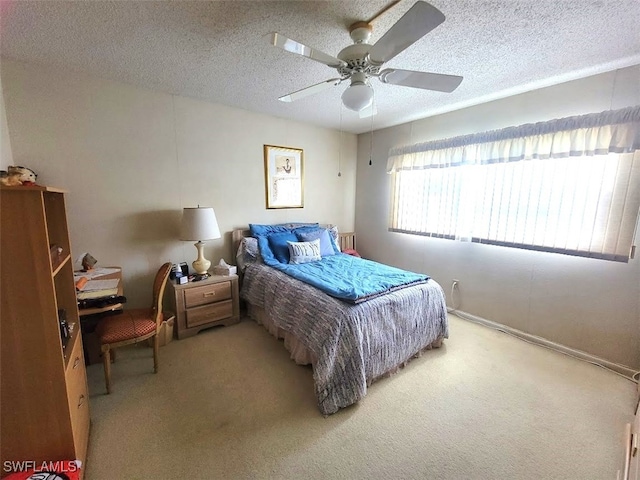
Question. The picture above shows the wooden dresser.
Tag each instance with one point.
(205, 304)
(45, 400)
(631, 470)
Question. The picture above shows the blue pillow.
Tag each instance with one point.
(265, 250)
(326, 246)
(312, 227)
(279, 246)
(258, 229)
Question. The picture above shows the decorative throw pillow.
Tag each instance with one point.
(304, 252)
(279, 247)
(326, 247)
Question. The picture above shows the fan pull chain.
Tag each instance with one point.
(340, 146)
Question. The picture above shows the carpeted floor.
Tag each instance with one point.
(230, 404)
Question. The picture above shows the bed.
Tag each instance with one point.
(349, 344)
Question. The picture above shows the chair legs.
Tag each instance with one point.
(109, 355)
(106, 361)
(156, 344)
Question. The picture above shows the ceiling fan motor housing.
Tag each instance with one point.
(356, 58)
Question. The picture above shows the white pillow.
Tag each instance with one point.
(333, 232)
(304, 252)
(247, 252)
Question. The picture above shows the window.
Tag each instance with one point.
(532, 194)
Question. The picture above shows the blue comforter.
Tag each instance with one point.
(350, 278)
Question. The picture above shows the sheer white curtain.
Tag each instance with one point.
(569, 186)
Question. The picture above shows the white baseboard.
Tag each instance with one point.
(621, 369)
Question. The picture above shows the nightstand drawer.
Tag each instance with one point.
(209, 313)
(207, 294)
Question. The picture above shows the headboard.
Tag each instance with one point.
(236, 236)
(347, 240)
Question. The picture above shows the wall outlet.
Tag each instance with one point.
(455, 283)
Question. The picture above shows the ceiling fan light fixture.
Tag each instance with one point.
(357, 96)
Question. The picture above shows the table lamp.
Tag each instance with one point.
(199, 223)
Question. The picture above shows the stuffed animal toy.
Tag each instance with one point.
(16, 175)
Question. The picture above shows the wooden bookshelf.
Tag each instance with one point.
(44, 394)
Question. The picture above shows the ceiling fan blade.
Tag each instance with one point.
(412, 26)
(305, 92)
(425, 80)
(301, 49)
(369, 111)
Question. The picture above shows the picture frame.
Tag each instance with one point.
(284, 176)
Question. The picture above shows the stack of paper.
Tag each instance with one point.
(98, 288)
(94, 273)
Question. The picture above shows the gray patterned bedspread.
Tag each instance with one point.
(353, 344)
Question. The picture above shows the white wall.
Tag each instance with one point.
(6, 158)
(131, 159)
(591, 305)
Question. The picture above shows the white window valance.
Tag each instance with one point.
(613, 131)
(569, 186)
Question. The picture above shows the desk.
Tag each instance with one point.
(90, 317)
(116, 306)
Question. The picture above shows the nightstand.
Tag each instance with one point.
(204, 304)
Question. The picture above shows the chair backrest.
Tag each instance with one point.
(159, 285)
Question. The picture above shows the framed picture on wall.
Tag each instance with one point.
(284, 179)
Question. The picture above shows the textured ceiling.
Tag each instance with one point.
(220, 51)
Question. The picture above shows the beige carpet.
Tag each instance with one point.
(229, 404)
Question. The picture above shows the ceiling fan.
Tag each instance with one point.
(361, 61)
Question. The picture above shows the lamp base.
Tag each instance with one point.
(201, 265)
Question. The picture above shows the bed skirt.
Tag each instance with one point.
(303, 356)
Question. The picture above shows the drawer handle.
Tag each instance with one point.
(76, 363)
(210, 294)
(81, 400)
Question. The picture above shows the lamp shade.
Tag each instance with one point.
(357, 96)
(199, 223)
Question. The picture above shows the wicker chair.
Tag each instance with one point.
(133, 326)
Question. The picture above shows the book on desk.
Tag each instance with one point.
(91, 306)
